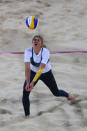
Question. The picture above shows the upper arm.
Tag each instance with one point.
(27, 65)
(45, 58)
(27, 55)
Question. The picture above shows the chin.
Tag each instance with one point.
(35, 46)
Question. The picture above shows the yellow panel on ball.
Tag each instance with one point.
(31, 22)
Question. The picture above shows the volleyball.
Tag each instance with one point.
(31, 22)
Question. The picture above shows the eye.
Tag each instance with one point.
(38, 40)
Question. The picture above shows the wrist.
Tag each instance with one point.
(28, 82)
(33, 82)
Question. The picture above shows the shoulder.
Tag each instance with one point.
(28, 50)
(46, 53)
(27, 54)
(45, 50)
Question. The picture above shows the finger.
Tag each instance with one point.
(30, 89)
(26, 88)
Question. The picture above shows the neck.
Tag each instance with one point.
(37, 50)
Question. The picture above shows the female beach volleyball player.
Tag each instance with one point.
(37, 67)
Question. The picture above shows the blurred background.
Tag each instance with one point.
(63, 26)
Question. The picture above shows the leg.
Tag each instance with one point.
(25, 98)
(49, 80)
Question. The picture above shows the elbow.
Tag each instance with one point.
(42, 66)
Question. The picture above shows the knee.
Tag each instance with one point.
(25, 95)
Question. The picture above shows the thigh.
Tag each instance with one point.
(49, 80)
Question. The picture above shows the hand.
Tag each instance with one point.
(31, 86)
(27, 87)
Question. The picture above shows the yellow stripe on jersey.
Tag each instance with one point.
(38, 75)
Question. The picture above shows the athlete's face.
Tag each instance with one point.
(37, 42)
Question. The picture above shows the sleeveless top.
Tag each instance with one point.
(35, 63)
(32, 59)
(36, 60)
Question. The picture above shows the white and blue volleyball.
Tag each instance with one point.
(31, 22)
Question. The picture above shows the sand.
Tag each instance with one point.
(63, 25)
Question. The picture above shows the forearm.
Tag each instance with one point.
(27, 75)
(38, 74)
(27, 72)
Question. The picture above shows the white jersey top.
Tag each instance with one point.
(37, 59)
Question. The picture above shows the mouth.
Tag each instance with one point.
(35, 44)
